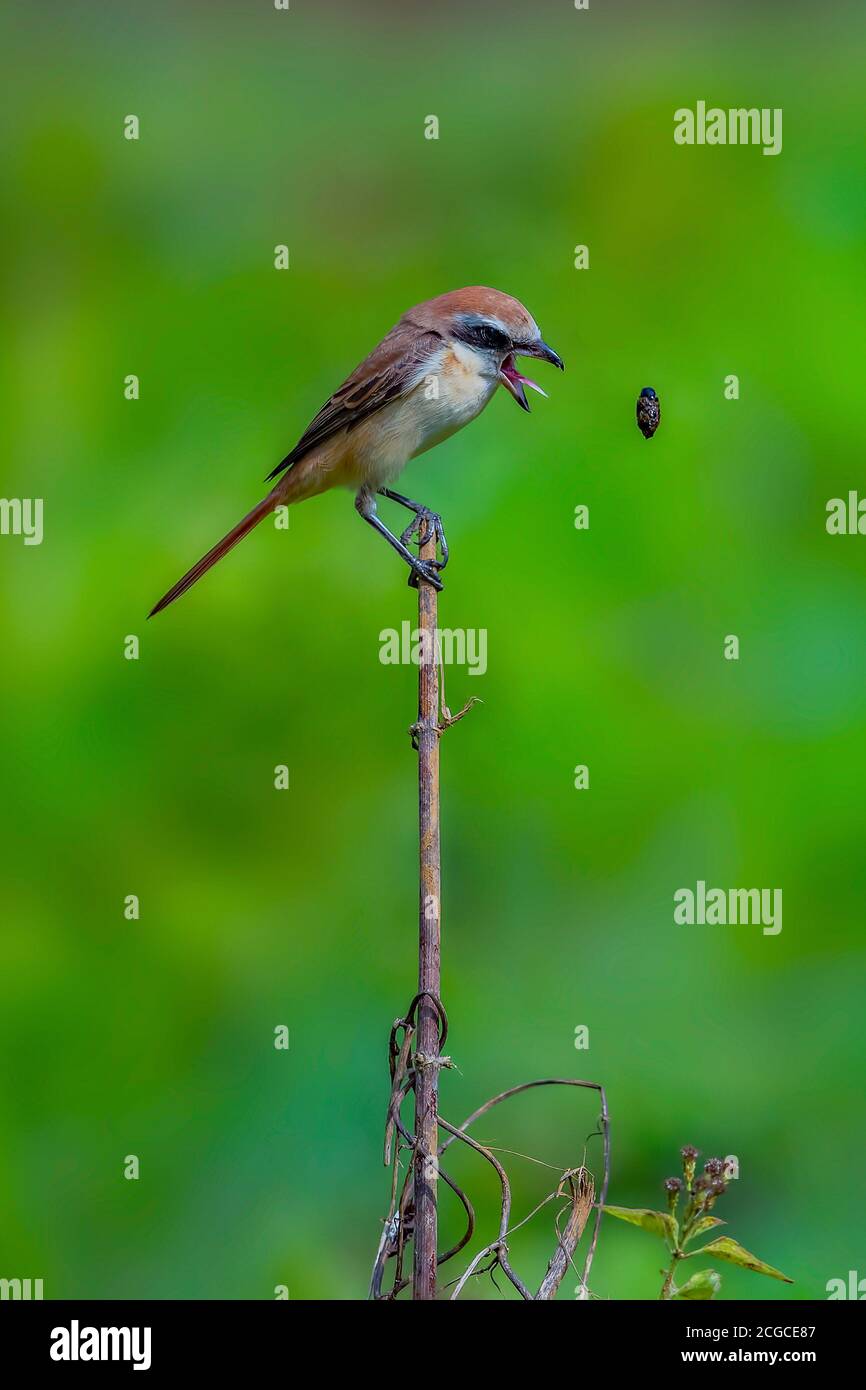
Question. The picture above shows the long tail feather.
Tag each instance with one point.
(221, 548)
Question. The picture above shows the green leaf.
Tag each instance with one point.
(704, 1285)
(658, 1223)
(727, 1249)
(706, 1223)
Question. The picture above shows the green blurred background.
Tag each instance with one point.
(155, 777)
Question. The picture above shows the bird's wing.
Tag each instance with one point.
(392, 369)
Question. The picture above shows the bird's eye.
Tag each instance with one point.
(485, 335)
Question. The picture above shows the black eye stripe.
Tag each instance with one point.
(484, 335)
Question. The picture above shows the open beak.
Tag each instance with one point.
(514, 381)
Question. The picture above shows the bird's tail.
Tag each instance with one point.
(221, 548)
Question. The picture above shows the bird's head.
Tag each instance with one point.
(495, 328)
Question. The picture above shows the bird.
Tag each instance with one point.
(648, 412)
(430, 375)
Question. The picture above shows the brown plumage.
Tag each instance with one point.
(431, 374)
(382, 377)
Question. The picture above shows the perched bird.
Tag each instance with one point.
(429, 376)
(648, 412)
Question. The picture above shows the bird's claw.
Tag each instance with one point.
(428, 524)
(421, 523)
(427, 570)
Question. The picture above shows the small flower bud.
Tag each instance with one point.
(714, 1167)
(689, 1153)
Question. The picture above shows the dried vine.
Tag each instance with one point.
(415, 1058)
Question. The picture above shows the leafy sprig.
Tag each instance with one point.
(679, 1228)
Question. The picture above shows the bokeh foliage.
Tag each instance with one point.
(155, 777)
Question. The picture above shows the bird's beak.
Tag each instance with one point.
(514, 381)
(545, 353)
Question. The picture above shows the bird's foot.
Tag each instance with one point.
(427, 570)
(428, 524)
